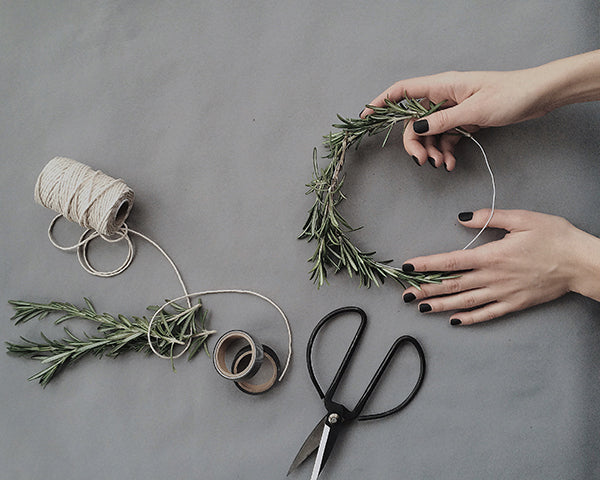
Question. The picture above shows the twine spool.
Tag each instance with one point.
(83, 195)
(224, 345)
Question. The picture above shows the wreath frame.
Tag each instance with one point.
(329, 229)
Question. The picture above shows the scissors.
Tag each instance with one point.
(324, 435)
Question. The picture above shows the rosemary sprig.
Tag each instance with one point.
(172, 328)
(328, 228)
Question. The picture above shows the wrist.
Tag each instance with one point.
(569, 80)
(585, 264)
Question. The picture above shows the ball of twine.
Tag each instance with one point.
(83, 195)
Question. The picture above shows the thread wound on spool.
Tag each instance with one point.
(225, 343)
(240, 362)
(83, 195)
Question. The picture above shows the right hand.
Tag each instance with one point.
(541, 258)
(473, 100)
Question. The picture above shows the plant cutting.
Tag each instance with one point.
(176, 327)
(334, 250)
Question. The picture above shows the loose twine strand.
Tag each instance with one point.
(493, 181)
(101, 204)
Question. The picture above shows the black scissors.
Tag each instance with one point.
(324, 435)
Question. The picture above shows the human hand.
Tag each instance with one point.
(490, 99)
(541, 258)
(473, 100)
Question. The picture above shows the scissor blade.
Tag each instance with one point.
(329, 443)
(309, 446)
(319, 462)
(328, 438)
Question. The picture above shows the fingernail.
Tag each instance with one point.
(421, 126)
(424, 307)
(416, 160)
(361, 112)
(446, 167)
(408, 267)
(455, 321)
(465, 216)
(409, 297)
(431, 162)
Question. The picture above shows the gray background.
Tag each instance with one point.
(209, 111)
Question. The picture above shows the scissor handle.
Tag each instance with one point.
(379, 373)
(328, 396)
(342, 368)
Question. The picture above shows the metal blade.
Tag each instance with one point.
(320, 453)
(333, 435)
(309, 446)
(331, 430)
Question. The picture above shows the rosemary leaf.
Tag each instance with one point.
(176, 325)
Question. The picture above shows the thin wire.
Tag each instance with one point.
(493, 207)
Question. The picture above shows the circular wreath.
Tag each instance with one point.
(335, 251)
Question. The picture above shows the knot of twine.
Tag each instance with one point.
(84, 195)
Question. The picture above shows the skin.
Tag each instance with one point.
(473, 100)
(542, 257)
(491, 99)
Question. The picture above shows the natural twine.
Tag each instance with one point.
(83, 195)
(101, 204)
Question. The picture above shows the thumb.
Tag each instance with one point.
(509, 220)
(444, 120)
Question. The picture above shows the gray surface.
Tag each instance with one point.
(209, 111)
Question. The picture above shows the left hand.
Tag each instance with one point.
(538, 260)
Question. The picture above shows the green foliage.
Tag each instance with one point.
(175, 327)
(326, 226)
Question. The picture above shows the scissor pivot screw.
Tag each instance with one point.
(333, 418)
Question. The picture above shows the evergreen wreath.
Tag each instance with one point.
(326, 226)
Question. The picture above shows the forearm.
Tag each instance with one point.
(570, 80)
(585, 275)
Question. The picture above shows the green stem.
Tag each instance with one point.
(118, 334)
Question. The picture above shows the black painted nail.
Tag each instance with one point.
(408, 267)
(446, 167)
(409, 297)
(455, 321)
(431, 161)
(424, 307)
(361, 112)
(465, 216)
(416, 160)
(421, 126)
